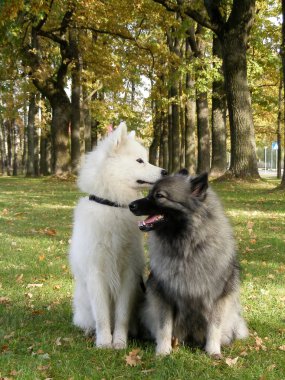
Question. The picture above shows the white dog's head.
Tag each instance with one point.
(118, 168)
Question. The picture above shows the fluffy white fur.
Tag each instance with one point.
(106, 253)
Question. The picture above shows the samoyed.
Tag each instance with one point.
(106, 252)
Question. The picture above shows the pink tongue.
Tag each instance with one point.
(150, 219)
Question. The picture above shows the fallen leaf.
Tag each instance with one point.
(29, 295)
(50, 231)
(133, 359)
(43, 367)
(56, 287)
(9, 336)
(282, 348)
(19, 278)
(34, 285)
(42, 257)
(4, 300)
(14, 373)
(37, 312)
(231, 362)
(58, 341)
(271, 367)
(4, 347)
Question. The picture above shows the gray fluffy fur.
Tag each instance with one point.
(193, 289)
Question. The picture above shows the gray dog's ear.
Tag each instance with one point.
(199, 185)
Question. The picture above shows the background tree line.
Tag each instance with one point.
(70, 68)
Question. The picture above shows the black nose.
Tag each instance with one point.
(133, 206)
(164, 172)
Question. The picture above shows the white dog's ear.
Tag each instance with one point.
(119, 134)
(132, 134)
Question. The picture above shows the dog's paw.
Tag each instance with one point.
(119, 345)
(163, 349)
(216, 356)
(214, 351)
(103, 345)
(103, 342)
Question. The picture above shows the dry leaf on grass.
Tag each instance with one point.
(133, 359)
(19, 278)
(4, 300)
(231, 362)
(34, 285)
(50, 231)
(281, 348)
(58, 341)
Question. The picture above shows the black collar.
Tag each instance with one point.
(106, 202)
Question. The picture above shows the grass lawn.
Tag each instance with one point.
(37, 339)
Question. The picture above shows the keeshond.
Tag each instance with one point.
(192, 292)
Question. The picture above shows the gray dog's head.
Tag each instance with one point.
(171, 200)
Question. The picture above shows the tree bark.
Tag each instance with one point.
(60, 133)
(279, 140)
(282, 185)
(243, 149)
(190, 117)
(153, 149)
(30, 168)
(8, 127)
(16, 142)
(75, 102)
(203, 133)
(219, 146)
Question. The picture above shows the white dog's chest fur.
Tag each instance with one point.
(107, 244)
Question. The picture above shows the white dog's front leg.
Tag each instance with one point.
(100, 304)
(124, 307)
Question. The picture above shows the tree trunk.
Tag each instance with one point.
(3, 140)
(219, 146)
(30, 168)
(8, 127)
(86, 120)
(282, 185)
(169, 137)
(16, 142)
(60, 133)
(45, 149)
(279, 140)
(203, 133)
(153, 149)
(243, 149)
(163, 147)
(190, 118)
(75, 102)
(175, 127)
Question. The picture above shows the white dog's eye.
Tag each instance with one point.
(140, 160)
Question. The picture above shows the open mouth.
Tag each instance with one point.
(150, 223)
(141, 182)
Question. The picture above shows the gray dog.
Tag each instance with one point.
(193, 289)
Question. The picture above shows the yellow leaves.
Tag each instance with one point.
(4, 300)
(282, 348)
(133, 359)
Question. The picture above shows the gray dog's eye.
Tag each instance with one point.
(140, 160)
(159, 195)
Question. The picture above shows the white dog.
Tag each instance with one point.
(106, 253)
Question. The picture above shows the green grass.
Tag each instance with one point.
(37, 339)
